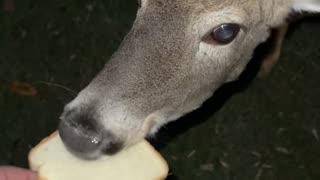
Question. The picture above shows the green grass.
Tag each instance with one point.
(267, 131)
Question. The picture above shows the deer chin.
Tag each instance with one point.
(152, 124)
(155, 121)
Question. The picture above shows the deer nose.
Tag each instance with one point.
(83, 136)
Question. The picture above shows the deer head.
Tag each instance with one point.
(176, 55)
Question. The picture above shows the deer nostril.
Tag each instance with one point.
(80, 132)
(112, 148)
(111, 145)
(79, 140)
(83, 136)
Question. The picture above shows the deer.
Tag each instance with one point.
(176, 55)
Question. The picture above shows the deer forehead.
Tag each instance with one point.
(272, 12)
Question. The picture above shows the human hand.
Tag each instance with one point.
(14, 173)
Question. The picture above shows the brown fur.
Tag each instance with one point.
(163, 68)
(273, 58)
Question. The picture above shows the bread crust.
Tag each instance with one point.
(159, 156)
(42, 178)
(43, 141)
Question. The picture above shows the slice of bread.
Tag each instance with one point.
(53, 162)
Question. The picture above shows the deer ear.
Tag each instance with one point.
(307, 5)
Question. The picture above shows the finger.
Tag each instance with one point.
(13, 173)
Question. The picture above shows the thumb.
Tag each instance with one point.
(14, 173)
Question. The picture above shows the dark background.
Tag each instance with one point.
(259, 129)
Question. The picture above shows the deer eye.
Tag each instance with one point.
(225, 33)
